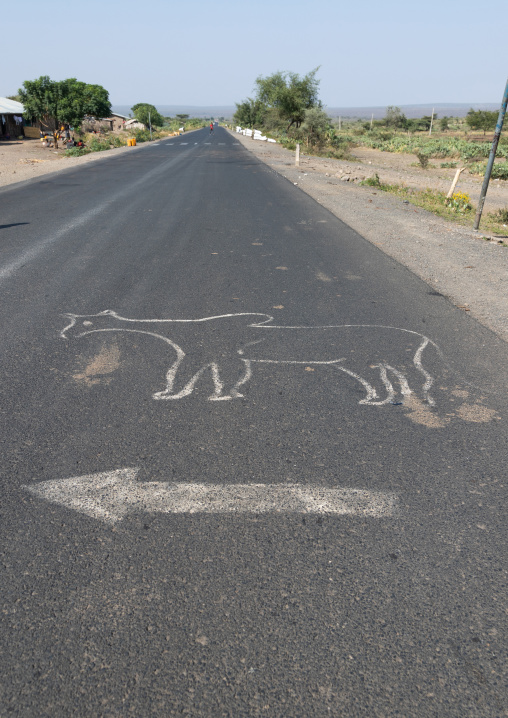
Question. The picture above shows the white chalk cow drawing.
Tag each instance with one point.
(225, 348)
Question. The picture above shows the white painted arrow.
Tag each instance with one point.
(111, 495)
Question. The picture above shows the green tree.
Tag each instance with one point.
(289, 94)
(444, 123)
(482, 120)
(250, 113)
(426, 120)
(41, 100)
(54, 103)
(147, 114)
(79, 100)
(395, 118)
(315, 126)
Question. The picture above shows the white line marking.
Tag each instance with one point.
(240, 340)
(112, 495)
(183, 143)
(208, 143)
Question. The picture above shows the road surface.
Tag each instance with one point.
(251, 466)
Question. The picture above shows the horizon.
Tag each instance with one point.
(365, 112)
(368, 54)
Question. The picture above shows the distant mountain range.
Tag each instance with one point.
(191, 110)
(411, 111)
(227, 111)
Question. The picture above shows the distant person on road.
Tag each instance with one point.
(211, 127)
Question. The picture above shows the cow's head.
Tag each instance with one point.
(81, 324)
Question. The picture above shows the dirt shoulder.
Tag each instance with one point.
(457, 262)
(27, 158)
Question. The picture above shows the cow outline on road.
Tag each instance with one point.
(228, 345)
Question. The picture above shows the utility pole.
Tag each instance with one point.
(150, 125)
(492, 157)
(431, 122)
(371, 120)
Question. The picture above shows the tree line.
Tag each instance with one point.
(54, 103)
(287, 102)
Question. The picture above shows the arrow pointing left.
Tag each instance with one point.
(111, 495)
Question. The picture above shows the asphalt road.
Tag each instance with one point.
(318, 365)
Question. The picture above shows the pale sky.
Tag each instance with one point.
(371, 53)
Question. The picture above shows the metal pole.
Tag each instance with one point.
(492, 157)
(150, 124)
(431, 122)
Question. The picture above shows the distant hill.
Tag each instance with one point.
(411, 111)
(227, 111)
(191, 110)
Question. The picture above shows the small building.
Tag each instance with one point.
(117, 121)
(11, 119)
(113, 123)
(134, 124)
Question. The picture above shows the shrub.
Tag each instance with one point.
(500, 215)
(459, 202)
(77, 152)
(423, 159)
(97, 145)
(372, 181)
(144, 135)
(499, 171)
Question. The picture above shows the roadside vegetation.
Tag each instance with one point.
(286, 107)
(156, 128)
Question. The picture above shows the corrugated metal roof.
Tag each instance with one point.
(10, 107)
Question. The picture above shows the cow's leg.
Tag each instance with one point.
(372, 397)
(391, 393)
(233, 374)
(371, 393)
(169, 392)
(184, 375)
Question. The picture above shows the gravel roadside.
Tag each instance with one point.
(455, 261)
(25, 160)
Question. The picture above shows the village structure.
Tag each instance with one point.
(11, 119)
(13, 125)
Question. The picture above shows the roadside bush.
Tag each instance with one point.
(499, 171)
(423, 159)
(288, 143)
(500, 215)
(459, 202)
(144, 135)
(97, 145)
(372, 181)
(77, 152)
